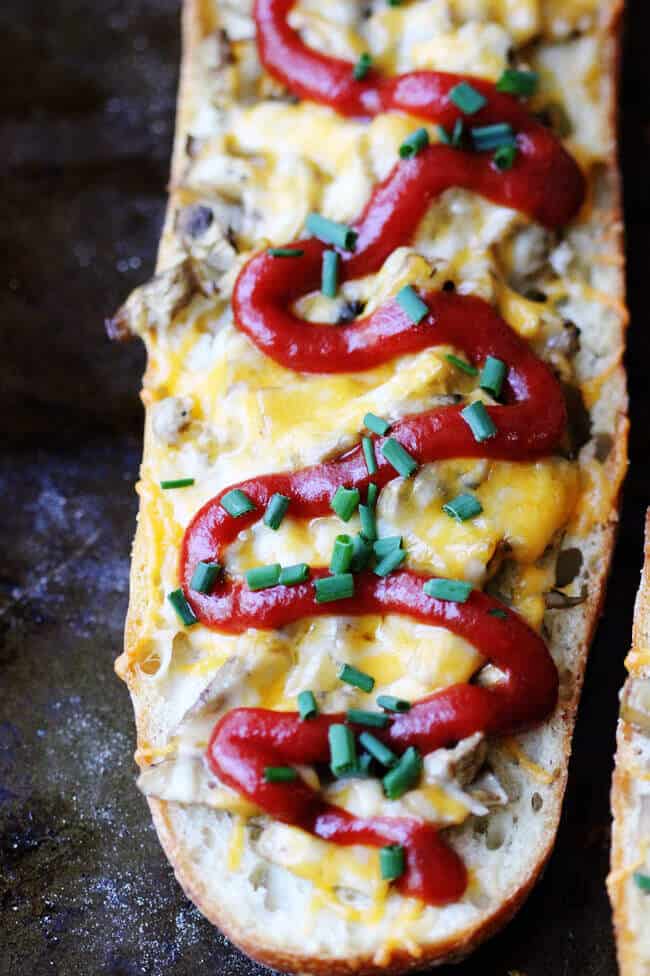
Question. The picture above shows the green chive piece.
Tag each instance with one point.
(392, 862)
(386, 545)
(414, 143)
(331, 588)
(642, 881)
(307, 705)
(237, 503)
(330, 274)
(504, 157)
(276, 510)
(398, 457)
(368, 447)
(492, 376)
(345, 502)
(280, 774)
(461, 364)
(343, 751)
(359, 716)
(411, 303)
(515, 82)
(362, 67)
(479, 421)
(394, 3)
(389, 562)
(204, 577)
(376, 424)
(182, 608)
(443, 135)
(378, 750)
(392, 704)
(404, 775)
(359, 679)
(501, 614)
(466, 98)
(342, 554)
(368, 522)
(486, 137)
(457, 133)
(372, 495)
(292, 575)
(263, 577)
(177, 483)
(452, 591)
(285, 252)
(331, 232)
(361, 554)
(463, 507)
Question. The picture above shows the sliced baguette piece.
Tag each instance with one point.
(630, 856)
(265, 911)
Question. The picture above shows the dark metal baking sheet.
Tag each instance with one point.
(87, 90)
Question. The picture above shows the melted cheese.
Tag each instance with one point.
(267, 163)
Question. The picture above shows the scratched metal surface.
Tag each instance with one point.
(87, 90)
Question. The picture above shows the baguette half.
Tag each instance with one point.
(241, 875)
(630, 864)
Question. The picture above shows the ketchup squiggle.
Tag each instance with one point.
(546, 184)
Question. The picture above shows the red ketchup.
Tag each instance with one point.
(544, 183)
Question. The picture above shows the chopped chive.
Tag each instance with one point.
(411, 303)
(398, 457)
(237, 503)
(392, 862)
(378, 750)
(452, 591)
(342, 554)
(330, 274)
(307, 705)
(414, 143)
(204, 577)
(492, 376)
(392, 704)
(387, 544)
(389, 562)
(276, 510)
(394, 3)
(343, 752)
(504, 157)
(404, 775)
(368, 522)
(497, 612)
(486, 137)
(463, 507)
(461, 364)
(362, 67)
(515, 82)
(177, 483)
(182, 608)
(359, 679)
(376, 424)
(457, 133)
(361, 555)
(467, 98)
(359, 716)
(292, 575)
(642, 881)
(331, 588)
(443, 135)
(345, 501)
(263, 577)
(372, 495)
(364, 763)
(479, 421)
(285, 252)
(368, 447)
(279, 774)
(331, 232)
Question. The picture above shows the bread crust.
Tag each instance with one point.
(631, 770)
(165, 814)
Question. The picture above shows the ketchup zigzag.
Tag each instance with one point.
(546, 184)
